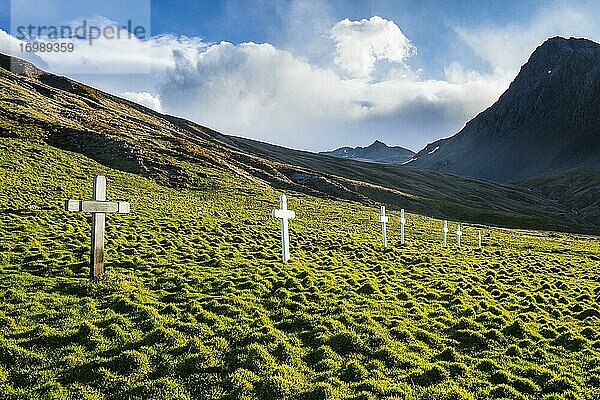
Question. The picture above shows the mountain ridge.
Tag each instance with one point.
(378, 152)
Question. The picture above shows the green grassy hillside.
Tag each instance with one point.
(577, 190)
(447, 195)
(119, 134)
(197, 305)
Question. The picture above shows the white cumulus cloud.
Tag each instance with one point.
(360, 44)
(257, 90)
(260, 91)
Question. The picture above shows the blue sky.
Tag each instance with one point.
(306, 73)
(429, 23)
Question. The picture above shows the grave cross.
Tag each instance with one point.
(284, 215)
(458, 235)
(479, 237)
(445, 230)
(402, 223)
(384, 220)
(98, 207)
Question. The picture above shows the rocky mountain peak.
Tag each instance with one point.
(376, 152)
(548, 120)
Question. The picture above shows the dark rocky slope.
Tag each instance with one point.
(546, 122)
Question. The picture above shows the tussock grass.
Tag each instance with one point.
(196, 303)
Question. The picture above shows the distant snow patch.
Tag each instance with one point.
(144, 98)
(411, 160)
(434, 150)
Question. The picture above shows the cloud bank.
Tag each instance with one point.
(507, 47)
(367, 91)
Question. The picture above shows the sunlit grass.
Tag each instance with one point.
(196, 303)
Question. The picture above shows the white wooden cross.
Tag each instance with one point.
(284, 215)
(479, 237)
(384, 220)
(98, 207)
(458, 235)
(445, 230)
(402, 223)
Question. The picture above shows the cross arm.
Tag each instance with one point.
(119, 207)
(284, 214)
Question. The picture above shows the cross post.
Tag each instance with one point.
(402, 223)
(445, 230)
(284, 215)
(99, 207)
(383, 219)
(458, 235)
(479, 237)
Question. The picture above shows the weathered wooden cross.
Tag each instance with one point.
(458, 235)
(445, 230)
(384, 220)
(402, 223)
(284, 215)
(98, 206)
